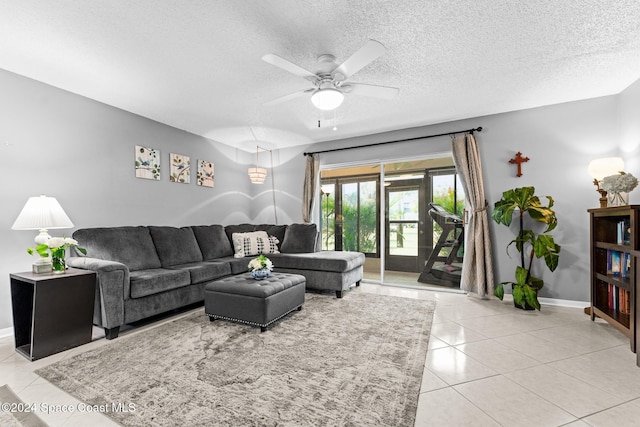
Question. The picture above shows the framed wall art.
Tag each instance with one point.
(180, 168)
(205, 173)
(147, 163)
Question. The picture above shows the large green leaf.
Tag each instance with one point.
(531, 297)
(499, 291)
(518, 295)
(521, 275)
(546, 247)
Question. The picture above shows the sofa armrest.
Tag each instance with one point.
(112, 286)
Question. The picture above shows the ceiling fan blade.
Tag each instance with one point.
(362, 57)
(288, 66)
(385, 92)
(287, 97)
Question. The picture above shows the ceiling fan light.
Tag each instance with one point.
(327, 99)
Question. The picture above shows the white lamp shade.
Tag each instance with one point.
(257, 175)
(327, 99)
(42, 212)
(606, 166)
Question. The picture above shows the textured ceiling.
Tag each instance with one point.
(196, 65)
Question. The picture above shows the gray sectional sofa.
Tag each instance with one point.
(146, 270)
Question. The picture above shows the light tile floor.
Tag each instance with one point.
(488, 364)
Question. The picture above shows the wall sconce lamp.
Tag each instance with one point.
(42, 213)
(599, 168)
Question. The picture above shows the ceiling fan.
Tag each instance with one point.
(329, 81)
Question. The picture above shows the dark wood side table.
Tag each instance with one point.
(52, 312)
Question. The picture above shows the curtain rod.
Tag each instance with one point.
(478, 129)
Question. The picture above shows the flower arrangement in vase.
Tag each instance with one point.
(618, 187)
(260, 267)
(56, 247)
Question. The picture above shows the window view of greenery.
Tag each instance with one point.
(359, 216)
(327, 200)
(403, 235)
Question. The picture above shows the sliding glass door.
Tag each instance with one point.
(382, 210)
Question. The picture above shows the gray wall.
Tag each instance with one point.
(81, 152)
(560, 141)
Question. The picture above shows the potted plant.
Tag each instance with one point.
(521, 201)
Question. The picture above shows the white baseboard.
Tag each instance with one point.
(6, 332)
(564, 302)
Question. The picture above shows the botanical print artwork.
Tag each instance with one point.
(147, 163)
(180, 168)
(205, 173)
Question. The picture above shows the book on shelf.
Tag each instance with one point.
(618, 299)
(618, 263)
(615, 263)
(623, 232)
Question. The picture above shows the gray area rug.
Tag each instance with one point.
(355, 361)
(13, 413)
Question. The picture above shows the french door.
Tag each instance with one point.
(405, 217)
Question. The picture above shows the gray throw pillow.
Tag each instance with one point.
(299, 238)
(213, 241)
(175, 245)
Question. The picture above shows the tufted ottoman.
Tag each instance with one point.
(243, 299)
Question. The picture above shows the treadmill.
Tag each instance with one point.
(445, 272)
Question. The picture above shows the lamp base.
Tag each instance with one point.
(42, 267)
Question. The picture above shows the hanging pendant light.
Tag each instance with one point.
(257, 175)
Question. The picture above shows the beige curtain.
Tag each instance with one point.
(477, 265)
(310, 186)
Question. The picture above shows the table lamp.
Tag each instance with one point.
(599, 168)
(42, 213)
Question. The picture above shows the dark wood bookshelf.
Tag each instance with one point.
(613, 259)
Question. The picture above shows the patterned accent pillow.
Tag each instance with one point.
(254, 243)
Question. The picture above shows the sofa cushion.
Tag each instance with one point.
(131, 246)
(238, 265)
(175, 245)
(213, 241)
(335, 261)
(204, 271)
(153, 281)
(299, 238)
(254, 243)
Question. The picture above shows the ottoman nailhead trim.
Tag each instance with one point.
(246, 322)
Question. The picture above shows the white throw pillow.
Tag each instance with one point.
(254, 243)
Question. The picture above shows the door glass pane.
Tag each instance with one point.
(350, 216)
(403, 205)
(403, 239)
(403, 217)
(368, 217)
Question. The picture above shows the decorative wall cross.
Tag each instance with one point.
(519, 160)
